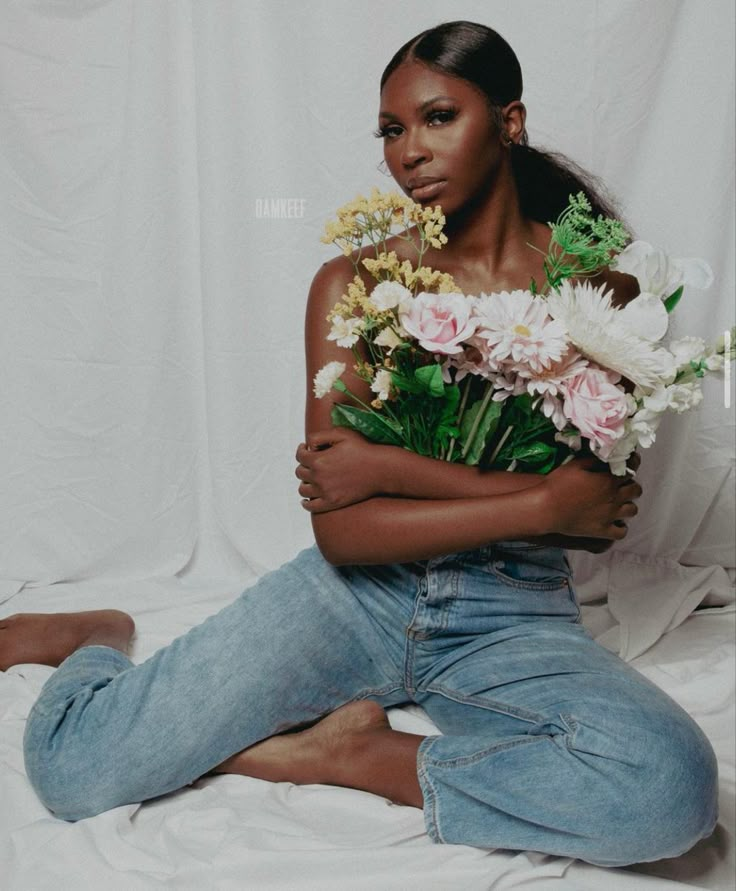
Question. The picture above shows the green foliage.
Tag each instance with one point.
(671, 302)
(526, 439)
(581, 244)
(481, 429)
(375, 427)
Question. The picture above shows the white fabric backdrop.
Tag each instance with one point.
(151, 380)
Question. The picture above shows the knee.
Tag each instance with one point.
(67, 782)
(668, 801)
(66, 794)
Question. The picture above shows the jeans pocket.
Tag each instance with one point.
(543, 575)
(540, 568)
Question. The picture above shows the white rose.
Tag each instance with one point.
(659, 274)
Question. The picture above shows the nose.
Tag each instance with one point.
(414, 150)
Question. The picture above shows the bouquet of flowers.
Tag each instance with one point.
(511, 380)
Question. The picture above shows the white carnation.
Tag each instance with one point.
(687, 350)
(389, 295)
(677, 397)
(382, 384)
(326, 377)
(715, 362)
(388, 338)
(346, 331)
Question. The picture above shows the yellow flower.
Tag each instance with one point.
(388, 263)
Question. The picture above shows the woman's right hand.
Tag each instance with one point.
(584, 499)
(339, 467)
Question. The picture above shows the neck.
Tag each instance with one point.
(492, 229)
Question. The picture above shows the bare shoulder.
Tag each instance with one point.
(328, 286)
(333, 275)
(625, 287)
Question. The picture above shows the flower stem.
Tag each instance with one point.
(478, 417)
(460, 413)
(502, 440)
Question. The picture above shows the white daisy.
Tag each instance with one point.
(599, 331)
(518, 329)
(548, 384)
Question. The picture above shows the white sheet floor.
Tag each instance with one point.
(236, 833)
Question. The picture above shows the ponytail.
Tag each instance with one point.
(545, 181)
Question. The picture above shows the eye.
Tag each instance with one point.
(440, 116)
(388, 131)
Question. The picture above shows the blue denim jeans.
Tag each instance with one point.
(548, 741)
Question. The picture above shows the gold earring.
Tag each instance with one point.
(507, 140)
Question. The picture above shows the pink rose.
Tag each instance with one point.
(596, 406)
(440, 322)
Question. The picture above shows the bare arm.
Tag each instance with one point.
(339, 467)
(444, 511)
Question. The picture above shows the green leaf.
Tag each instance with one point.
(535, 452)
(430, 376)
(452, 400)
(405, 383)
(486, 428)
(671, 302)
(370, 424)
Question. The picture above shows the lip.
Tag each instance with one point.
(424, 188)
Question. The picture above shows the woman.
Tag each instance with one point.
(442, 585)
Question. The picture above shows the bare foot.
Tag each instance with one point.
(354, 746)
(48, 638)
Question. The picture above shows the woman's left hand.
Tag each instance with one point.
(339, 467)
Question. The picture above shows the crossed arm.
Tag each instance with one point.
(382, 504)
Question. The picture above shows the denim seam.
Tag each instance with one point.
(465, 760)
(430, 795)
(75, 671)
(376, 691)
(490, 705)
(573, 728)
(555, 584)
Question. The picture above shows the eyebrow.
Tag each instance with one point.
(423, 107)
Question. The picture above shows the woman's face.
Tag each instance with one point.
(439, 139)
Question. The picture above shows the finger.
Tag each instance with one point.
(630, 492)
(314, 505)
(322, 439)
(628, 510)
(619, 530)
(308, 490)
(301, 451)
(303, 473)
(307, 458)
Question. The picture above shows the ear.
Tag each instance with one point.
(514, 120)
